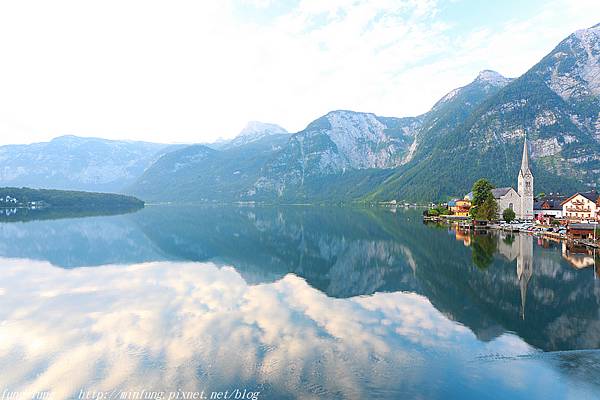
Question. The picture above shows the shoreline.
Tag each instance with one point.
(469, 225)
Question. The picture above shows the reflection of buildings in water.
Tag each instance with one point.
(580, 257)
(548, 242)
(524, 267)
(463, 235)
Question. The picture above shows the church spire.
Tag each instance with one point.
(525, 180)
(525, 158)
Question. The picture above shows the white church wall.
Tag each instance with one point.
(510, 200)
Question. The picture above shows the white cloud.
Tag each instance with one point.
(187, 71)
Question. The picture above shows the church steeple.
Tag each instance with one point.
(525, 158)
(525, 191)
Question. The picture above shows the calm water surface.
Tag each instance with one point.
(312, 303)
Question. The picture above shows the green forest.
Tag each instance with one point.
(66, 199)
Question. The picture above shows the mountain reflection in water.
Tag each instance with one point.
(295, 302)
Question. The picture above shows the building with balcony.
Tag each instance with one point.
(581, 207)
(459, 207)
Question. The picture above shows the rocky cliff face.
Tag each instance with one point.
(337, 143)
(571, 70)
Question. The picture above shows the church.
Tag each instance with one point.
(520, 200)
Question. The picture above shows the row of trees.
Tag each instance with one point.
(438, 210)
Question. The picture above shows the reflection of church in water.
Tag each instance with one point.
(521, 248)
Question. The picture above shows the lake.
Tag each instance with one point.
(292, 302)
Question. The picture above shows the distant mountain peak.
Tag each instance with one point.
(487, 80)
(346, 112)
(65, 138)
(592, 29)
(257, 128)
(492, 77)
(589, 38)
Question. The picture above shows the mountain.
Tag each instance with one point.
(474, 131)
(556, 104)
(77, 163)
(203, 173)
(440, 124)
(254, 131)
(337, 151)
(341, 153)
(344, 154)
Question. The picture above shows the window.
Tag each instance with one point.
(510, 205)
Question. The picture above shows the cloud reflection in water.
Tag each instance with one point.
(193, 326)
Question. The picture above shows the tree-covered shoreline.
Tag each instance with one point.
(11, 197)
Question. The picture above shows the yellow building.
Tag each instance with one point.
(459, 207)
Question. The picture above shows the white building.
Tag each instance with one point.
(581, 207)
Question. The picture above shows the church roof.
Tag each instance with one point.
(497, 192)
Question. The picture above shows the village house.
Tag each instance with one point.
(549, 207)
(579, 231)
(8, 199)
(581, 207)
(459, 207)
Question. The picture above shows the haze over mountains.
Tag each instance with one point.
(71, 162)
(474, 131)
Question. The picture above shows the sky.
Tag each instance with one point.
(193, 71)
